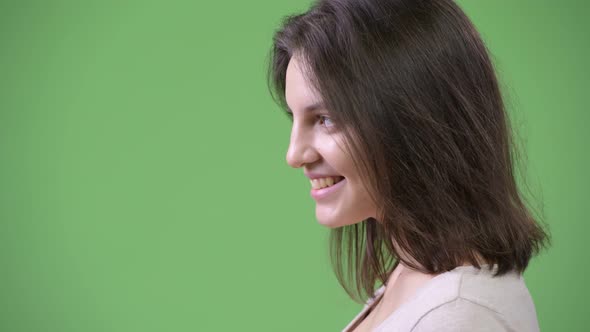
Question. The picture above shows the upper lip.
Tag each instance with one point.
(313, 175)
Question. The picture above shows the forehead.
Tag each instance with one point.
(299, 93)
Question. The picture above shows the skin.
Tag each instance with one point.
(315, 146)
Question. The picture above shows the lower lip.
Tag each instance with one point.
(321, 193)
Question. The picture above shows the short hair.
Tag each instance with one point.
(412, 85)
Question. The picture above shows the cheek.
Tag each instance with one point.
(338, 158)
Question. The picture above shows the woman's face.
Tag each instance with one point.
(315, 146)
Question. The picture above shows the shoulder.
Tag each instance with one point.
(467, 299)
(481, 303)
(460, 315)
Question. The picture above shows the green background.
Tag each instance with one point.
(143, 182)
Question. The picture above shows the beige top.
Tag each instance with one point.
(463, 299)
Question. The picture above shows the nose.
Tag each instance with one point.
(301, 149)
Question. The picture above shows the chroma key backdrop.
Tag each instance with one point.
(143, 181)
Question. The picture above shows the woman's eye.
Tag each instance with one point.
(324, 119)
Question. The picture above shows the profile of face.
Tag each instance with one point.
(316, 145)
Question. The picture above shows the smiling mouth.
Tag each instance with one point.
(326, 191)
(326, 182)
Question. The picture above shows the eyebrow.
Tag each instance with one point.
(310, 108)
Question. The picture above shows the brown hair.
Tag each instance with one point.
(411, 84)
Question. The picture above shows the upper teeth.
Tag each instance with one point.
(323, 182)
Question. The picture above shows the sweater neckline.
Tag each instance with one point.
(429, 284)
(418, 292)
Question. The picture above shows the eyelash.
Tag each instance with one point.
(290, 115)
(326, 117)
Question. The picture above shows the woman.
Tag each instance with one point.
(400, 125)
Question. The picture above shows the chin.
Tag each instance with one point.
(330, 224)
(334, 222)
